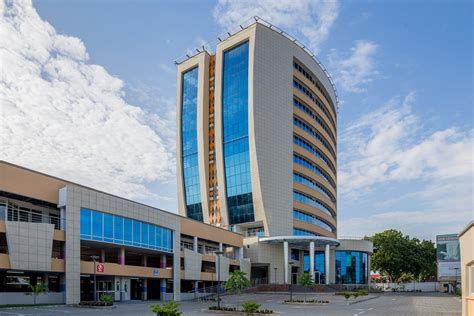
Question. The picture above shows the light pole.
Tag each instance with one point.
(275, 280)
(455, 280)
(218, 253)
(94, 258)
(291, 263)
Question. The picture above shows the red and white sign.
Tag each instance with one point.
(100, 268)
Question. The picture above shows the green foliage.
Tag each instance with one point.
(304, 279)
(169, 309)
(347, 295)
(106, 298)
(396, 255)
(237, 281)
(37, 289)
(250, 307)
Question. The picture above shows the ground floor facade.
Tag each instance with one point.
(82, 243)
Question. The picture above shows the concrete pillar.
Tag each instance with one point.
(144, 261)
(102, 255)
(241, 253)
(221, 247)
(62, 282)
(162, 289)
(196, 244)
(285, 263)
(326, 262)
(121, 256)
(163, 262)
(46, 279)
(311, 259)
(145, 290)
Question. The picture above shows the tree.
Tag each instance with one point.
(237, 281)
(169, 309)
(396, 255)
(37, 289)
(305, 279)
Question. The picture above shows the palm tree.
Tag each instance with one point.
(237, 281)
(37, 289)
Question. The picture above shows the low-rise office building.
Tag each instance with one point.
(448, 261)
(52, 231)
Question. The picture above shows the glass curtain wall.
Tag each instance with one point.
(351, 267)
(235, 134)
(189, 150)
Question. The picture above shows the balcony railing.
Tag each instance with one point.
(11, 212)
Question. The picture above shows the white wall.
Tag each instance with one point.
(410, 286)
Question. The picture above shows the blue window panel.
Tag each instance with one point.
(302, 232)
(144, 235)
(319, 266)
(311, 201)
(311, 183)
(235, 135)
(299, 215)
(118, 229)
(159, 239)
(108, 227)
(97, 225)
(189, 156)
(351, 267)
(86, 220)
(151, 236)
(136, 233)
(127, 231)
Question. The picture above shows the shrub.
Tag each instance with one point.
(305, 279)
(106, 298)
(223, 308)
(94, 303)
(250, 307)
(169, 309)
(347, 295)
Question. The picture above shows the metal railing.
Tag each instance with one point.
(14, 213)
(209, 47)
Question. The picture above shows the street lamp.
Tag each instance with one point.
(95, 258)
(291, 263)
(275, 269)
(218, 253)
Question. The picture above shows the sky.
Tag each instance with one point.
(87, 93)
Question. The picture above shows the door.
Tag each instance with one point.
(136, 289)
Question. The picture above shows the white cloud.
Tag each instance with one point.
(391, 146)
(64, 116)
(355, 70)
(312, 19)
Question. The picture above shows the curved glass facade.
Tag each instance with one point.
(351, 267)
(189, 147)
(120, 230)
(319, 268)
(302, 216)
(302, 232)
(235, 134)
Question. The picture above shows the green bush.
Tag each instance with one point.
(250, 307)
(305, 279)
(106, 298)
(169, 309)
(347, 295)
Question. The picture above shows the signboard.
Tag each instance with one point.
(156, 272)
(100, 268)
(447, 248)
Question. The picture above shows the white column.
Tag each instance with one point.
(195, 244)
(326, 263)
(241, 253)
(221, 247)
(311, 259)
(285, 257)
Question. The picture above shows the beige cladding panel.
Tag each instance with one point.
(313, 228)
(192, 264)
(196, 229)
(355, 245)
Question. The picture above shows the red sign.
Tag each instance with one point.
(100, 268)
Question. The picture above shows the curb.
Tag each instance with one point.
(363, 300)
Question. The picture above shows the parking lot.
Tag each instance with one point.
(384, 304)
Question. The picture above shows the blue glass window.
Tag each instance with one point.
(189, 150)
(128, 231)
(301, 216)
(311, 201)
(308, 129)
(312, 149)
(303, 107)
(319, 267)
(313, 167)
(86, 221)
(118, 229)
(108, 227)
(97, 225)
(351, 267)
(302, 232)
(136, 233)
(235, 134)
(313, 185)
(115, 229)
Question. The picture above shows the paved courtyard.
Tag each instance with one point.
(423, 304)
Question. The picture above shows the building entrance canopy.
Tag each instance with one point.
(301, 241)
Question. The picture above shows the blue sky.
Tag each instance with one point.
(95, 90)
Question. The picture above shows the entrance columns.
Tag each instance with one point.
(285, 257)
(311, 259)
(162, 281)
(145, 289)
(326, 262)
(195, 244)
(121, 256)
